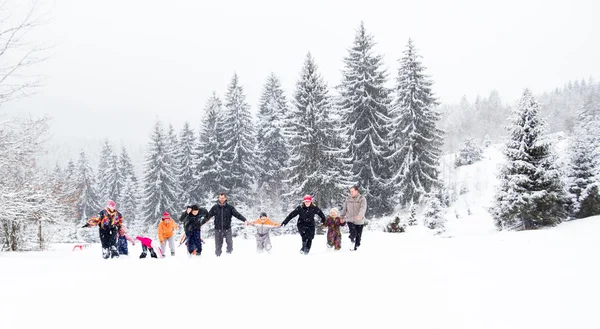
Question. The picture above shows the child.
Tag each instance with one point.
(147, 245)
(192, 227)
(123, 238)
(166, 232)
(263, 227)
(333, 223)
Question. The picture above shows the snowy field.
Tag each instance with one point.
(536, 279)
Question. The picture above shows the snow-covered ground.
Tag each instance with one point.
(537, 279)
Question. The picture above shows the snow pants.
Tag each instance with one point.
(334, 239)
(145, 251)
(355, 233)
(194, 242)
(307, 232)
(171, 240)
(263, 242)
(108, 239)
(219, 236)
(122, 246)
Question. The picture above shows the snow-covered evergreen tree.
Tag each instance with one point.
(208, 161)
(531, 194)
(108, 174)
(469, 153)
(238, 130)
(129, 190)
(314, 165)
(184, 165)
(414, 137)
(434, 213)
(272, 153)
(581, 176)
(365, 103)
(88, 202)
(160, 183)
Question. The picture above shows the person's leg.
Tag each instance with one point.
(310, 235)
(337, 240)
(172, 245)
(163, 245)
(259, 243)
(359, 230)
(267, 243)
(229, 240)
(144, 250)
(152, 253)
(302, 231)
(352, 229)
(190, 245)
(218, 242)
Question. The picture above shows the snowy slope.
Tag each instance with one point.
(539, 279)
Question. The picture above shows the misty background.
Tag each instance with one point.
(115, 66)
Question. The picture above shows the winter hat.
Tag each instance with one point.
(166, 215)
(263, 214)
(335, 210)
(111, 204)
(307, 198)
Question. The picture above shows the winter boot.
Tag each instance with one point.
(105, 253)
(114, 253)
(153, 254)
(173, 253)
(143, 255)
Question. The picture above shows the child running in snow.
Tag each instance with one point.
(333, 223)
(147, 245)
(263, 227)
(166, 232)
(123, 238)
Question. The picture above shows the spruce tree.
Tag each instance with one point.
(87, 203)
(108, 174)
(208, 157)
(581, 176)
(469, 153)
(160, 183)
(239, 161)
(314, 165)
(414, 137)
(184, 165)
(365, 104)
(129, 191)
(272, 153)
(531, 194)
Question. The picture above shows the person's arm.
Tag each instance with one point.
(289, 217)
(363, 207)
(344, 206)
(237, 215)
(321, 214)
(204, 213)
(94, 220)
(161, 232)
(183, 217)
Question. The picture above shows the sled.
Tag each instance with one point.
(81, 246)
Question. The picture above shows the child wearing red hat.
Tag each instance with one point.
(166, 232)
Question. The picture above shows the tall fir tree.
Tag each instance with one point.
(365, 105)
(272, 153)
(87, 203)
(239, 161)
(184, 165)
(414, 137)
(160, 183)
(208, 163)
(314, 164)
(108, 173)
(581, 179)
(530, 194)
(129, 190)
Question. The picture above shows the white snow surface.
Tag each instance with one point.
(535, 279)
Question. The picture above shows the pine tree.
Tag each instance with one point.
(160, 183)
(108, 173)
(272, 153)
(88, 203)
(414, 137)
(184, 165)
(531, 194)
(365, 104)
(314, 164)
(582, 181)
(434, 214)
(208, 162)
(129, 190)
(239, 161)
(469, 153)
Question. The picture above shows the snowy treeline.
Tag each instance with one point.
(319, 140)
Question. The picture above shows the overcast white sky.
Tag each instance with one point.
(117, 65)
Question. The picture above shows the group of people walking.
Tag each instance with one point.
(114, 238)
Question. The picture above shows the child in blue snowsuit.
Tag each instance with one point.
(122, 240)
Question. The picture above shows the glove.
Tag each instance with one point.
(86, 225)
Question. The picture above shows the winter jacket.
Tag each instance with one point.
(306, 215)
(334, 224)
(123, 233)
(192, 223)
(353, 207)
(264, 226)
(222, 214)
(145, 241)
(166, 229)
(107, 220)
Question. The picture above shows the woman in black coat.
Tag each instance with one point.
(306, 221)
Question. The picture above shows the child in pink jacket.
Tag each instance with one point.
(147, 245)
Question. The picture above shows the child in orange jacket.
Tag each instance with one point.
(166, 232)
(263, 227)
